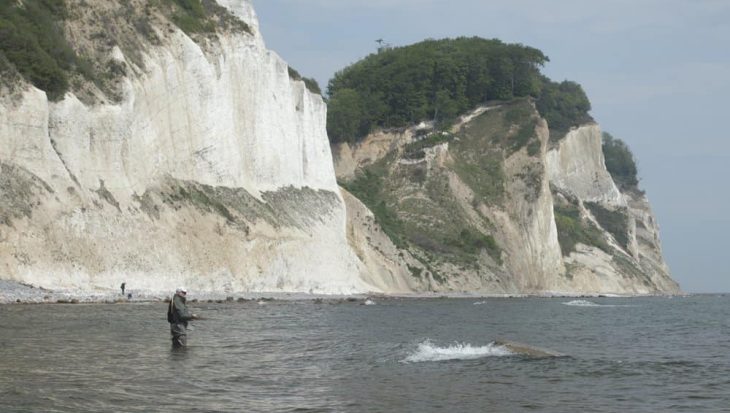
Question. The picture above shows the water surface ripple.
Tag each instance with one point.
(399, 355)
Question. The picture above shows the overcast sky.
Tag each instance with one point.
(657, 73)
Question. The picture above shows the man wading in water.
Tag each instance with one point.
(178, 316)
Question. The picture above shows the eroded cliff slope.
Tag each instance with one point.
(492, 205)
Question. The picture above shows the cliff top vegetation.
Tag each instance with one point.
(33, 44)
(309, 82)
(441, 79)
(35, 39)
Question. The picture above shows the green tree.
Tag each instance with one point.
(345, 116)
(445, 108)
(563, 105)
(620, 162)
(433, 79)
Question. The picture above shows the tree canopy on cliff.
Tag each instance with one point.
(35, 46)
(32, 42)
(563, 105)
(620, 162)
(439, 80)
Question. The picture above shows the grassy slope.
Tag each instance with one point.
(415, 204)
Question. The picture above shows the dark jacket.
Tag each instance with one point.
(177, 312)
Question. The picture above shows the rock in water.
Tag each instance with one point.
(528, 350)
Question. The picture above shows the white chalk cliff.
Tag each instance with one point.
(213, 170)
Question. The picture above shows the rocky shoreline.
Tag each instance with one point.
(12, 292)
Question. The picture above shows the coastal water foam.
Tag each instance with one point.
(428, 351)
(586, 303)
(581, 303)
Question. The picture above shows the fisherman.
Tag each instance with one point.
(178, 316)
(123, 285)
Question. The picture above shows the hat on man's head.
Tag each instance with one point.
(181, 290)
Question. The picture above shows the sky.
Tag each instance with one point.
(657, 73)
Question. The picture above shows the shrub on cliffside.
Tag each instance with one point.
(203, 16)
(563, 105)
(573, 229)
(616, 222)
(620, 162)
(32, 42)
(310, 83)
(40, 40)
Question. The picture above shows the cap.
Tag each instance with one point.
(181, 290)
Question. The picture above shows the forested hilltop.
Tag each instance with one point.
(483, 174)
(437, 80)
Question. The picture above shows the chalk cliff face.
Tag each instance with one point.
(213, 170)
(478, 209)
(634, 264)
(211, 167)
(576, 166)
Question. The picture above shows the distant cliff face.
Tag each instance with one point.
(491, 206)
(212, 169)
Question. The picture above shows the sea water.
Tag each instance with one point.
(395, 355)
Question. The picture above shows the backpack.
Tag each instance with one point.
(170, 316)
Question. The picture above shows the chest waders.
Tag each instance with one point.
(178, 328)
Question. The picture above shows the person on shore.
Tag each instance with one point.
(123, 285)
(178, 316)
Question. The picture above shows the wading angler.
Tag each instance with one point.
(178, 316)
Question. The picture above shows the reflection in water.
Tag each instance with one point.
(178, 353)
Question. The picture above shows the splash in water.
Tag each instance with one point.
(428, 351)
(586, 303)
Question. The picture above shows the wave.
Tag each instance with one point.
(586, 303)
(582, 303)
(427, 351)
